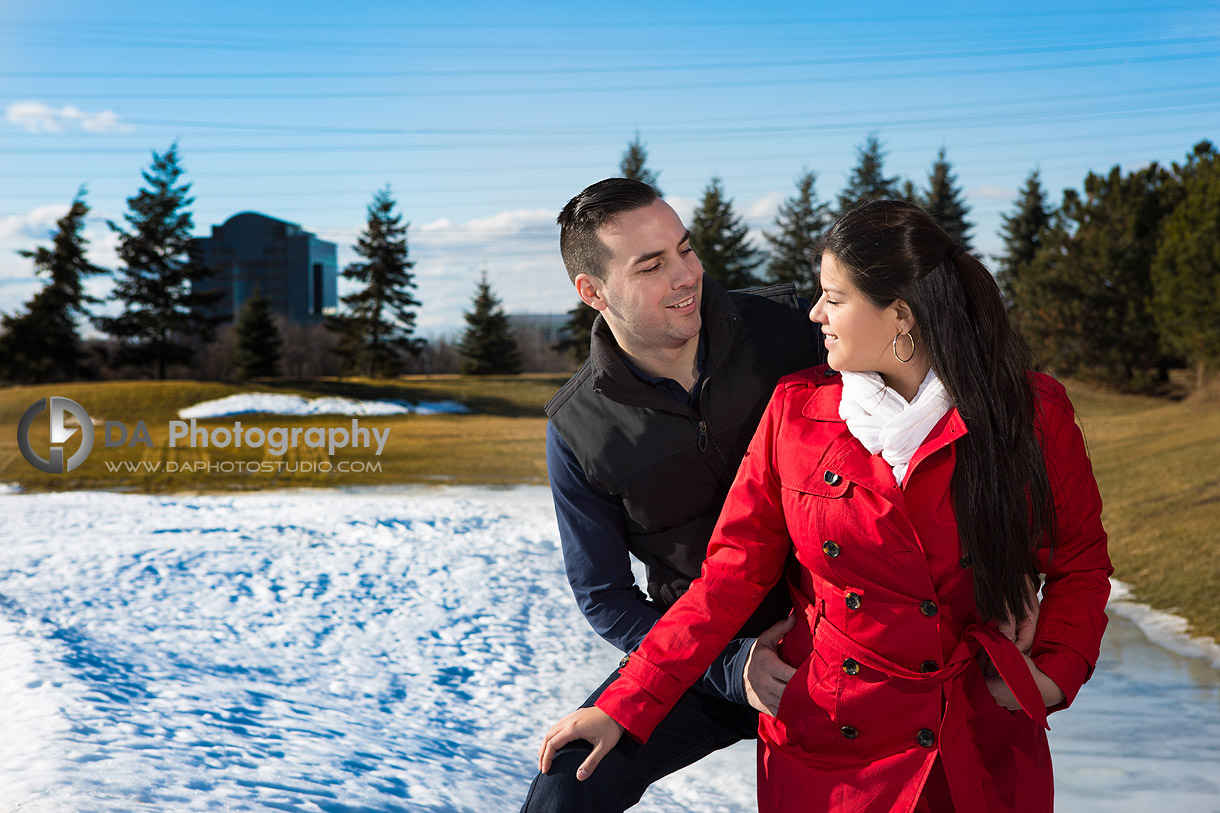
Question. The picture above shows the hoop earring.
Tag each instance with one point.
(898, 336)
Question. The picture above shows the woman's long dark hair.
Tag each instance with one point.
(1001, 493)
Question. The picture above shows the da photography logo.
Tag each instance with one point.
(60, 433)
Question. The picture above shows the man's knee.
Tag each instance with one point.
(608, 790)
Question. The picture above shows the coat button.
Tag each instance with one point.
(853, 601)
(830, 549)
(928, 666)
(925, 737)
(928, 608)
(831, 478)
(851, 667)
(623, 662)
(966, 561)
(849, 732)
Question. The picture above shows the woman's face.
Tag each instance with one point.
(859, 335)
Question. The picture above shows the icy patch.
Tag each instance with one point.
(10, 488)
(280, 404)
(1168, 630)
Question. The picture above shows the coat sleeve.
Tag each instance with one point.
(745, 559)
(1077, 567)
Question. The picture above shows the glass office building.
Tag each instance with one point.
(291, 267)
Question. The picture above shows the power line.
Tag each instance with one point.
(701, 135)
(635, 24)
(705, 125)
(652, 87)
(615, 69)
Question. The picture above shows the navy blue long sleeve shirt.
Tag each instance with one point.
(594, 539)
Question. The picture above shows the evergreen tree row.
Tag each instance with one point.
(721, 240)
(165, 318)
(1120, 282)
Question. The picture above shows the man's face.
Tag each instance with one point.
(654, 282)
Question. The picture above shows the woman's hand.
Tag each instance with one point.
(1052, 695)
(592, 725)
(1021, 632)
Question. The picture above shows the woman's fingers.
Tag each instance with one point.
(1002, 694)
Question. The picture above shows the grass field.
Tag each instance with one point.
(1153, 460)
(1155, 463)
(500, 443)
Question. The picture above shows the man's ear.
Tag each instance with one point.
(589, 289)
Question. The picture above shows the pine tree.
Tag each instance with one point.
(799, 225)
(377, 331)
(867, 181)
(634, 165)
(42, 344)
(258, 345)
(1083, 303)
(1186, 269)
(577, 333)
(161, 312)
(578, 330)
(488, 343)
(720, 239)
(943, 200)
(1022, 233)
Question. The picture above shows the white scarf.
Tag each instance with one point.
(883, 421)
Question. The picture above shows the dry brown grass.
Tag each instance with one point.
(502, 443)
(1157, 468)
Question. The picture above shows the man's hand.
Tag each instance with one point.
(592, 725)
(766, 675)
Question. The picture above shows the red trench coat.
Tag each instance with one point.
(887, 679)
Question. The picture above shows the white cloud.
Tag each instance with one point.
(36, 117)
(518, 247)
(34, 228)
(764, 208)
(685, 207)
(989, 192)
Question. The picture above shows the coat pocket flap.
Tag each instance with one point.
(820, 483)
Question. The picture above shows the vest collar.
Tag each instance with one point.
(612, 378)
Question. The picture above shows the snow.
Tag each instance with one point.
(1169, 631)
(401, 650)
(279, 404)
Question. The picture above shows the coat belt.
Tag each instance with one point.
(965, 776)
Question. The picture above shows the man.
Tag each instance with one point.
(642, 446)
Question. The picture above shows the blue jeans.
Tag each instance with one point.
(698, 725)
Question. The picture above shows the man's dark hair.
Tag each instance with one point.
(582, 250)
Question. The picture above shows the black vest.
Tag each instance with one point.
(670, 464)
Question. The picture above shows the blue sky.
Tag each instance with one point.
(485, 118)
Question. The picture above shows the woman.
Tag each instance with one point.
(922, 479)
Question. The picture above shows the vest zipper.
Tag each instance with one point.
(702, 436)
